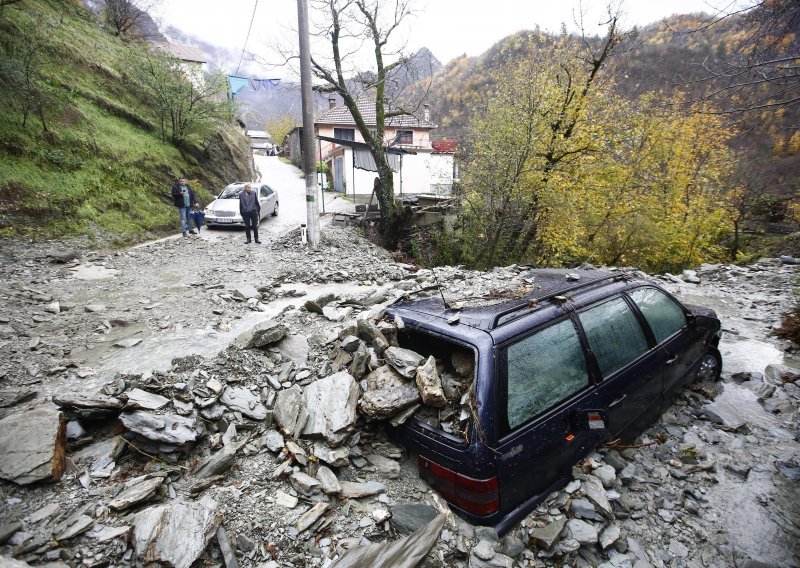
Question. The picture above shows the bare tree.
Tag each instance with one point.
(760, 73)
(124, 15)
(351, 28)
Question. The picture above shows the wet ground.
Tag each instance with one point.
(135, 310)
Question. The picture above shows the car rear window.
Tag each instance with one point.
(543, 370)
(614, 334)
(663, 315)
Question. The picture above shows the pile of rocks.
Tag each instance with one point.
(273, 452)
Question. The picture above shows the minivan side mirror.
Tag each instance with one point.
(691, 319)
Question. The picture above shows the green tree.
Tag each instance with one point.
(22, 65)
(184, 104)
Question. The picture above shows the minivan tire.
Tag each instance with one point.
(710, 368)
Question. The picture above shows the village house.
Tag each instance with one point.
(191, 59)
(420, 165)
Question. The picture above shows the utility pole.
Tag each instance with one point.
(309, 164)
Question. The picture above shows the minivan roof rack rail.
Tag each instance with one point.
(570, 287)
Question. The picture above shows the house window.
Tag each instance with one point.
(405, 137)
(344, 133)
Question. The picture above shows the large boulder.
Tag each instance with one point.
(33, 445)
(405, 361)
(243, 400)
(177, 534)
(387, 394)
(429, 384)
(262, 334)
(331, 406)
(287, 408)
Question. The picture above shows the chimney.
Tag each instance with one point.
(426, 113)
(331, 102)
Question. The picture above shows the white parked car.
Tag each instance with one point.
(224, 210)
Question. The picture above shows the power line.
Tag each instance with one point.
(244, 47)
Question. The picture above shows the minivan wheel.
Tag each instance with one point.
(275, 211)
(710, 367)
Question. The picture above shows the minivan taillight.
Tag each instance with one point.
(480, 497)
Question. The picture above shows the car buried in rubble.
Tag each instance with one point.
(535, 384)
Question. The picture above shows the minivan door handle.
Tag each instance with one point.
(617, 401)
(671, 361)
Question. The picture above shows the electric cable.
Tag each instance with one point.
(247, 37)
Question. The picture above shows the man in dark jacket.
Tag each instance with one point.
(250, 210)
(183, 198)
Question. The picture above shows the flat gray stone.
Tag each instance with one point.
(145, 400)
(175, 534)
(136, 491)
(217, 463)
(33, 445)
(273, 440)
(331, 405)
(546, 536)
(243, 400)
(409, 517)
(582, 531)
(355, 490)
(167, 428)
(596, 494)
(310, 517)
(295, 347)
(404, 361)
(328, 481)
(725, 414)
(385, 466)
(287, 408)
(336, 457)
(262, 335)
(429, 384)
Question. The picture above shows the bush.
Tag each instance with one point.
(790, 326)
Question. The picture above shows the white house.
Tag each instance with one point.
(191, 59)
(419, 165)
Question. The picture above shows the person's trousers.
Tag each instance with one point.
(186, 213)
(250, 219)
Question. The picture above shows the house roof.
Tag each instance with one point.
(258, 134)
(181, 51)
(341, 115)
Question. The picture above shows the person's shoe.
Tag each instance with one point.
(184, 233)
(247, 242)
(257, 241)
(192, 232)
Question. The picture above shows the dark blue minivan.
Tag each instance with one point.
(586, 358)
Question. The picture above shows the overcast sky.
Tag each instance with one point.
(449, 28)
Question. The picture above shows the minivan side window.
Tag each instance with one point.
(614, 334)
(543, 370)
(664, 316)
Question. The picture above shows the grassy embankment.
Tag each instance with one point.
(98, 165)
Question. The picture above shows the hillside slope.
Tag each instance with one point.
(667, 58)
(80, 147)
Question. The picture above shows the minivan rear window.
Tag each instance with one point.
(664, 316)
(614, 334)
(543, 370)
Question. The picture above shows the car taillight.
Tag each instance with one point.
(477, 496)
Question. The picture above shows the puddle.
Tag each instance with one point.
(744, 354)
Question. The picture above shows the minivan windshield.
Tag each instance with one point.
(231, 192)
